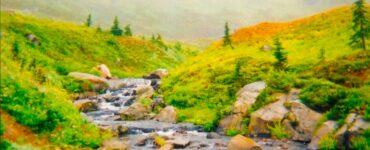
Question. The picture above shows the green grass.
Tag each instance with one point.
(328, 143)
(209, 81)
(34, 86)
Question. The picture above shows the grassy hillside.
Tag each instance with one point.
(34, 86)
(205, 86)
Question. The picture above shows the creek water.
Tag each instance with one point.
(113, 101)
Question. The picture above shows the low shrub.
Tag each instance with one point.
(328, 143)
(277, 131)
(322, 95)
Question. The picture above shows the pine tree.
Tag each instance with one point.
(361, 26)
(128, 31)
(99, 29)
(227, 39)
(88, 21)
(116, 30)
(280, 56)
(322, 55)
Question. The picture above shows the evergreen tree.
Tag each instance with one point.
(116, 30)
(88, 21)
(227, 39)
(322, 55)
(361, 26)
(280, 56)
(99, 29)
(128, 31)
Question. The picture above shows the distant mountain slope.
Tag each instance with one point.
(36, 56)
(205, 86)
(180, 19)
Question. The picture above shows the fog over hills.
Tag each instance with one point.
(175, 19)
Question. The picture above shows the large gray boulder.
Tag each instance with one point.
(267, 116)
(247, 96)
(114, 145)
(233, 121)
(168, 114)
(144, 91)
(136, 111)
(324, 130)
(86, 105)
(240, 142)
(301, 121)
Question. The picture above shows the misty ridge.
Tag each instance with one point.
(174, 19)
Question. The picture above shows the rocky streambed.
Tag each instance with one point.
(136, 127)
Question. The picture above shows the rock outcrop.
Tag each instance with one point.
(86, 105)
(144, 91)
(354, 125)
(168, 114)
(115, 145)
(135, 112)
(325, 129)
(267, 116)
(240, 142)
(300, 121)
(246, 97)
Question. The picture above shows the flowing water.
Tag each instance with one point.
(112, 102)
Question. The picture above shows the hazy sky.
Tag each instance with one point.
(178, 19)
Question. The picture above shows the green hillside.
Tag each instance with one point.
(34, 87)
(205, 86)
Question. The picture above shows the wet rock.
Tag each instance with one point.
(168, 114)
(135, 112)
(85, 95)
(158, 74)
(213, 135)
(247, 96)
(325, 129)
(141, 141)
(302, 120)
(115, 84)
(144, 91)
(240, 142)
(179, 142)
(86, 105)
(114, 145)
(233, 121)
(99, 83)
(166, 147)
(266, 116)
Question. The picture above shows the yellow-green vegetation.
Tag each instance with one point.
(277, 131)
(36, 56)
(319, 58)
(361, 142)
(328, 143)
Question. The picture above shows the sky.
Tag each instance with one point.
(174, 19)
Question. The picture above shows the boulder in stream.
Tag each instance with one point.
(144, 91)
(168, 114)
(115, 145)
(157, 74)
(240, 142)
(86, 105)
(136, 111)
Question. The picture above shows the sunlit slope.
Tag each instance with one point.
(205, 86)
(34, 87)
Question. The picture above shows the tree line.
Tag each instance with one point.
(114, 30)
